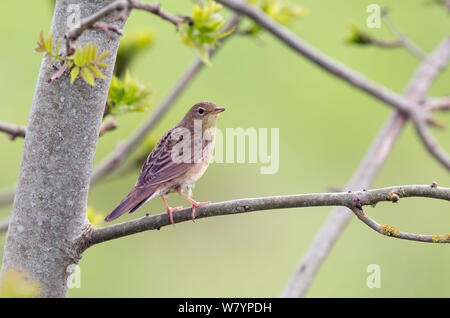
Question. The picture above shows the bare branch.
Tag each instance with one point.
(325, 62)
(352, 200)
(402, 40)
(368, 169)
(7, 196)
(13, 131)
(155, 8)
(87, 23)
(431, 143)
(438, 104)
(118, 5)
(108, 125)
(4, 225)
(108, 28)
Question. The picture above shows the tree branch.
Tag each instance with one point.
(438, 104)
(155, 8)
(431, 143)
(108, 125)
(13, 131)
(73, 34)
(351, 200)
(401, 38)
(119, 5)
(368, 169)
(7, 196)
(4, 225)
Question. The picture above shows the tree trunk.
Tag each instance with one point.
(49, 210)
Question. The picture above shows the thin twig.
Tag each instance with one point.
(7, 196)
(118, 5)
(13, 131)
(155, 8)
(350, 200)
(431, 143)
(108, 125)
(87, 23)
(107, 28)
(438, 104)
(368, 169)
(4, 225)
(402, 39)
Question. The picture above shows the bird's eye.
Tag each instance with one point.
(201, 111)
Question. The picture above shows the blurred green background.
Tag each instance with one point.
(325, 126)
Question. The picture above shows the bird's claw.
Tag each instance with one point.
(171, 210)
(196, 205)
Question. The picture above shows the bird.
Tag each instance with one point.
(177, 161)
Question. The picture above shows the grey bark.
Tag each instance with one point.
(49, 210)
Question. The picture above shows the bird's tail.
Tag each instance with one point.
(132, 202)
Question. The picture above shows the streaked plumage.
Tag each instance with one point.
(162, 174)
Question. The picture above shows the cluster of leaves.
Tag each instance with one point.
(127, 96)
(94, 216)
(204, 29)
(84, 62)
(357, 36)
(282, 11)
(15, 284)
(131, 45)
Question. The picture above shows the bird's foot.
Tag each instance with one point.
(171, 210)
(196, 204)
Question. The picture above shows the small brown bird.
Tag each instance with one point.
(178, 160)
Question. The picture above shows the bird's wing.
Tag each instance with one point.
(157, 169)
(160, 167)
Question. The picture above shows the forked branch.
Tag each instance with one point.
(352, 200)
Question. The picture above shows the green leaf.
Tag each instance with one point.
(49, 44)
(103, 55)
(96, 72)
(74, 73)
(205, 30)
(58, 44)
(102, 64)
(127, 95)
(87, 76)
(87, 55)
(78, 57)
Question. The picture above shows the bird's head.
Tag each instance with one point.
(207, 112)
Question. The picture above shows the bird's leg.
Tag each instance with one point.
(170, 210)
(195, 204)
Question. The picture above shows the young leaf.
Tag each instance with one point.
(74, 73)
(103, 55)
(87, 76)
(96, 72)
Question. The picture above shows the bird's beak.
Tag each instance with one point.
(218, 110)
